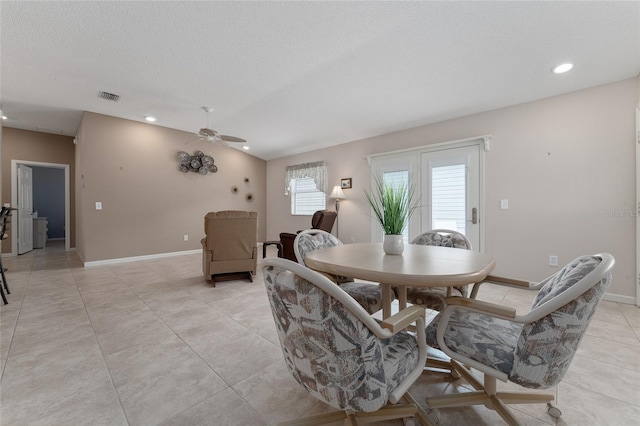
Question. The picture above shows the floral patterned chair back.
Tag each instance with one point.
(369, 296)
(444, 238)
(433, 298)
(546, 347)
(312, 239)
(534, 349)
(329, 344)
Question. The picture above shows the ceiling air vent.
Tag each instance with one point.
(109, 96)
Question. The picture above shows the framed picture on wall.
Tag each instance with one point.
(345, 183)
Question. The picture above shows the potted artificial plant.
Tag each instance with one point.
(392, 207)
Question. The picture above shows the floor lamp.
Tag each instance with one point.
(337, 194)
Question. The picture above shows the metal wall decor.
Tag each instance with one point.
(198, 162)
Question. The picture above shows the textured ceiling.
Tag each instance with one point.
(291, 76)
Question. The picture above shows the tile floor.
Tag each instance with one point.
(151, 343)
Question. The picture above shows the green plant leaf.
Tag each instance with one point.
(392, 206)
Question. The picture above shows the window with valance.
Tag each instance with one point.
(316, 171)
(308, 186)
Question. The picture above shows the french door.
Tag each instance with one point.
(448, 179)
(450, 189)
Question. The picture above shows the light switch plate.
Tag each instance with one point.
(504, 204)
(98, 205)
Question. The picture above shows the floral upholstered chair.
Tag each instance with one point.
(433, 297)
(369, 296)
(338, 352)
(533, 350)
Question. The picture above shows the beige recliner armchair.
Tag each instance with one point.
(230, 247)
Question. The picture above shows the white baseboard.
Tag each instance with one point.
(610, 297)
(137, 258)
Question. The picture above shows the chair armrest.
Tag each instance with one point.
(399, 322)
(507, 282)
(482, 307)
(403, 318)
(512, 282)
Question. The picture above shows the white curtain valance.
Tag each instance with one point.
(316, 170)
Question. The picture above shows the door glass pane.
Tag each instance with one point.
(448, 197)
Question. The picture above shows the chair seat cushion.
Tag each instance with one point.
(432, 297)
(369, 296)
(490, 341)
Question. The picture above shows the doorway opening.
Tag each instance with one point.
(47, 171)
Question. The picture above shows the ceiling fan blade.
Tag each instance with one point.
(208, 133)
(227, 138)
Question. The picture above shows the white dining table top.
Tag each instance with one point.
(417, 266)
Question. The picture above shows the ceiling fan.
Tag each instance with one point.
(211, 135)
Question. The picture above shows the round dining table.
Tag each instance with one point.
(417, 266)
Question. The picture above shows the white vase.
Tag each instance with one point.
(393, 244)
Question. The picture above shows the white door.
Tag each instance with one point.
(637, 206)
(451, 191)
(25, 209)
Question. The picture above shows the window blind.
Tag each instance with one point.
(448, 199)
(305, 197)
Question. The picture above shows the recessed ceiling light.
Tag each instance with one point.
(246, 148)
(4, 117)
(562, 68)
(150, 119)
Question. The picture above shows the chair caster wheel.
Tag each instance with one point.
(553, 411)
(410, 421)
(434, 416)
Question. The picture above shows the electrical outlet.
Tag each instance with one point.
(186, 237)
(553, 260)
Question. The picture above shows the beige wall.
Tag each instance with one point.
(148, 204)
(41, 147)
(566, 164)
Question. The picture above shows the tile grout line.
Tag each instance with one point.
(104, 361)
(229, 386)
(15, 326)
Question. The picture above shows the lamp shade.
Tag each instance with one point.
(337, 193)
